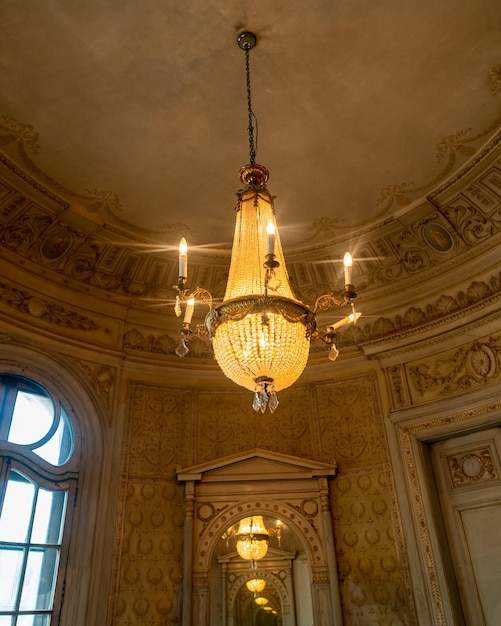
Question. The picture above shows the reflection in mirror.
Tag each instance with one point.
(261, 608)
(290, 494)
(264, 590)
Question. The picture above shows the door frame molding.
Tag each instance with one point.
(410, 431)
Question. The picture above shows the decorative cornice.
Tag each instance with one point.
(44, 310)
(466, 169)
(32, 182)
(419, 320)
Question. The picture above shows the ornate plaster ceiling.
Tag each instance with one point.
(135, 112)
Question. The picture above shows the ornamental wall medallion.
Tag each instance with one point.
(437, 237)
(56, 244)
(475, 466)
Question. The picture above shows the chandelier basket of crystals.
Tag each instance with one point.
(260, 332)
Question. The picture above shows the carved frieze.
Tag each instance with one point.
(455, 371)
(104, 257)
(41, 308)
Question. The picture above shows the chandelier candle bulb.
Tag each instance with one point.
(349, 319)
(183, 258)
(348, 262)
(270, 232)
(190, 306)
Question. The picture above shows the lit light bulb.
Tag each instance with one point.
(270, 232)
(349, 319)
(183, 258)
(348, 262)
(190, 306)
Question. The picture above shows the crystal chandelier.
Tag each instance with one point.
(256, 585)
(260, 333)
(252, 538)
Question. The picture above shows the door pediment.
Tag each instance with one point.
(256, 465)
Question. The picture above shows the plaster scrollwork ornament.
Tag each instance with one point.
(472, 467)
(20, 235)
(12, 131)
(468, 366)
(100, 201)
(415, 259)
(103, 380)
(398, 387)
(134, 339)
(471, 225)
(44, 310)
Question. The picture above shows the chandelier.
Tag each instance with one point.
(260, 332)
(252, 539)
(261, 601)
(256, 585)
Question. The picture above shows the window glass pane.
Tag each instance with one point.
(59, 447)
(17, 508)
(11, 565)
(5, 620)
(32, 418)
(49, 517)
(39, 580)
(33, 620)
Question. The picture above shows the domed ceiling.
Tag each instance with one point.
(136, 112)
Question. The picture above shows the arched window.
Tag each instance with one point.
(38, 486)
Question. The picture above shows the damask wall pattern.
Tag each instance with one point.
(226, 424)
(149, 538)
(173, 427)
(372, 565)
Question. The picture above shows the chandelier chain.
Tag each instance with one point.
(250, 128)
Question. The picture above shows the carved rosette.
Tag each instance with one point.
(472, 467)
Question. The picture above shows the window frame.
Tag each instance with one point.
(68, 484)
(96, 462)
(43, 474)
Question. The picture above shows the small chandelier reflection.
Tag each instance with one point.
(252, 539)
(260, 333)
(256, 585)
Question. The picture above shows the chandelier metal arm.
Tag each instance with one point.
(236, 310)
(203, 295)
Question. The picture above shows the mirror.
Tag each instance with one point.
(283, 570)
(268, 496)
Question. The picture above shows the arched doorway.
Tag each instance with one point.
(279, 487)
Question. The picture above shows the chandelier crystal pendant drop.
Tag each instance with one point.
(260, 333)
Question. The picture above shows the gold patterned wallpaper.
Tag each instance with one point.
(170, 428)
